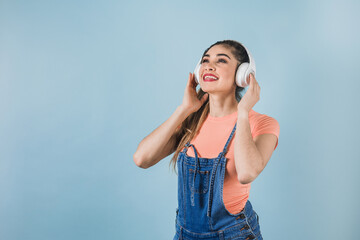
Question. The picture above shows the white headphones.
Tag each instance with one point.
(242, 72)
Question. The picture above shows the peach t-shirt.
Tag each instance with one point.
(211, 140)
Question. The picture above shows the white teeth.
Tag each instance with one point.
(210, 77)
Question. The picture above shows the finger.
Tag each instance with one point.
(251, 84)
(193, 81)
(203, 98)
(189, 80)
(256, 84)
(253, 80)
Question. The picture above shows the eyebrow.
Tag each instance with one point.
(220, 54)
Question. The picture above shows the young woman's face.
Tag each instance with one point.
(220, 63)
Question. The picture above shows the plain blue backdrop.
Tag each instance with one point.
(83, 82)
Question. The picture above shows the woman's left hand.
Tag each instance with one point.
(251, 97)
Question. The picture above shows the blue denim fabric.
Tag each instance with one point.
(201, 213)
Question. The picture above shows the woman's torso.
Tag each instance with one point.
(211, 139)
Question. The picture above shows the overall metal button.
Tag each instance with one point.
(246, 227)
(242, 216)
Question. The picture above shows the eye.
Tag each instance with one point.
(220, 60)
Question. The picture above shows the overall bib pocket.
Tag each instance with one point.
(202, 179)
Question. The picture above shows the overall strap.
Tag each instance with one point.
(213, 174)
(229, 139)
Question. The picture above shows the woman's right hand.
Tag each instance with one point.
(191, 103)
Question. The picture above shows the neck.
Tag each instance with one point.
(220, 106)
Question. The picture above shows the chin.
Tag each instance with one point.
(210, 89)
(207, 90)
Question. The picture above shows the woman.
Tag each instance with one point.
(221, 145)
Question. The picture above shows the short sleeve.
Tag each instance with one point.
(266, 124)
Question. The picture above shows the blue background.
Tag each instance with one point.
(83, 82)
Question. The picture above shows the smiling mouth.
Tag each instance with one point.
(209, 78)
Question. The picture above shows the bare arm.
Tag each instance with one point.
(161, 142)
(251, 155)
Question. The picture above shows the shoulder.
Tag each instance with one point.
(256, 117)
(262, 123)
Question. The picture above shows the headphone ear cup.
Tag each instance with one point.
(196, 72)
(241, 75)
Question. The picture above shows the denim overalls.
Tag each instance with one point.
(201, 213)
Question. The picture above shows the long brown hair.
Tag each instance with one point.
(192, 124)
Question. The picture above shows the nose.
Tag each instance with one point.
(209, 66)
